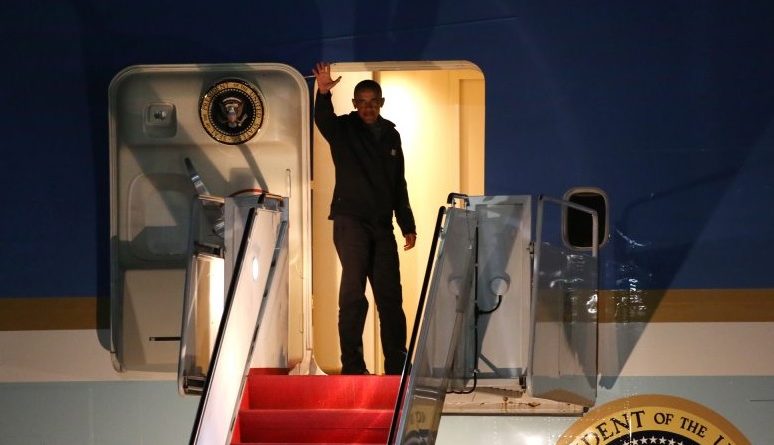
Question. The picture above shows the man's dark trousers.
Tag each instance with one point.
(369, 251)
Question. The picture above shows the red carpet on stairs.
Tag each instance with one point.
(292, 409)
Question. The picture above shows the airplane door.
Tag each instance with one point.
(563, 348)
(244, 127)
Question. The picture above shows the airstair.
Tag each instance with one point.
(247, 397)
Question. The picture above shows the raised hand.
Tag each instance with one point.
(322, 72)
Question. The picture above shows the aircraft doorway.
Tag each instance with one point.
(438, 108)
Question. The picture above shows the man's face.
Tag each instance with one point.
(368, 104)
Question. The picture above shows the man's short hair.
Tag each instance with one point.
(369, 84)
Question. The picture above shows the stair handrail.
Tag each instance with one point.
(415, 330)
(277, 251)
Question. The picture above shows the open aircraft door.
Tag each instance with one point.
(193, 148)
(539, 293)
(563, 321)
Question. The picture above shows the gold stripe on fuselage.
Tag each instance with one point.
(53, 313)
(686, 305)
(615, 306)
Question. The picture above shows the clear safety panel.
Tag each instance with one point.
(563, 353)
(502, 288)
(263, 246)
(217, 231)
(204, 294)
(448, 309)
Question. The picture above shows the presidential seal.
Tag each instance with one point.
(652, 419)
(232, 111)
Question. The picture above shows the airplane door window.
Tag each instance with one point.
(577, 224)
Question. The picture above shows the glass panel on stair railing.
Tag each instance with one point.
(563, 354)
(204, 293)
(263, 247)
(448, 310)
(499, 346)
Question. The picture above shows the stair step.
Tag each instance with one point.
(315, 425)
(305, 443)
(322, 392)
(315, 418)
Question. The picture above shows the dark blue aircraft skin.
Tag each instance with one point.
(666, 106)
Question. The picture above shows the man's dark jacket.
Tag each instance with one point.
(370, 181)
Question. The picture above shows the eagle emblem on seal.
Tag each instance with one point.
(232, 111)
